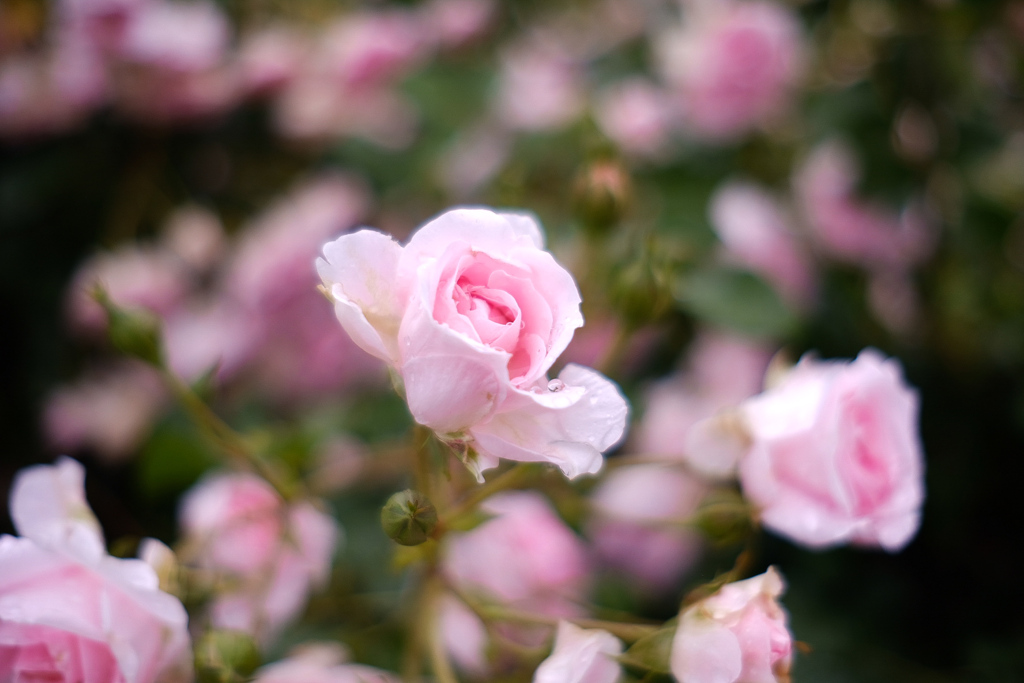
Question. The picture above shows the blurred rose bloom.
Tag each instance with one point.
(581, 656)
(638, 117)
(525, 557)
(733, 64)
(71, 613)
(638, 523)
(273, 553)
(738, 635)
(540, 87)
(757, 233)
(836, 457)
(321, 664)
(852, 229)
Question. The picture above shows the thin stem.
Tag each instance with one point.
(430, 627)
(506, 480)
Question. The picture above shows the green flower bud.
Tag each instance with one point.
(226, 657)
(132, 332)
(602, 194)
(408, 517)
(651, 653)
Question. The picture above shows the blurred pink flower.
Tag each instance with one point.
(855, 230)
(836, 457)
(581, 656)
(134, 276)
(276, 553)
(321, 664)
(540, 88)
(71, 613)
(738, 635)
(525, 555)
(108, 410)
(195, 235)
(174, 63)
(271, 58)
(464, 636)
(757, 233)
(733, 64)
(638, 523)
(637, 116)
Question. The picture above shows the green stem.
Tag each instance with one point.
(506, 480)
(431, 628)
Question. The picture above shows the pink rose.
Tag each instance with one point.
(733, 64)
(738, 635)
(637, 116)
(275, 553)
(836, 456)
(581, 656)
(472, 313)
(70, 613)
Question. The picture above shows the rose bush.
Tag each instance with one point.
(71, 613)
(472, 313)
(738, 635)
(835, 455)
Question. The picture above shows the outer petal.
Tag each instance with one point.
(48, 506)
(569, 427)
(705, 652)
(360, 270)
(486, 230)
(581, 656)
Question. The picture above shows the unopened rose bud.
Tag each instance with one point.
(602, 194)
(651, 654)
(133, 332)
(408, 517)
(226, 657)
(641, 290)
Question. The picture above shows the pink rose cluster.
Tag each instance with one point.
(171, 61)
(271, 553)
(471, 314)
(71, 613)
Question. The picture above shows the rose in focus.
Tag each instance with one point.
(835, 454)
(71, 613)
(472, 313)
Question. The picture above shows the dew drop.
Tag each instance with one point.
(556, 385)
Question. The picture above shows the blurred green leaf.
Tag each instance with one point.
(173, 459)
(735, 299)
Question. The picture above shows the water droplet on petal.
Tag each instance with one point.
(556, 385)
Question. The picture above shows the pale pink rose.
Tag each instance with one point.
(852, 229)
(836, 457)
(639, 523)
(71, 613)
(110, 410)
(133, 277)
(367, 50)
(525, 554)
(733, 64)
(275, 553)
(321, 664)
(201, 336)
(738, 635)
(540, 88)
(756, 232)
(472, 313)
(637, 116)
(581, 656)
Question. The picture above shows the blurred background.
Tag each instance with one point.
(804, 176)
